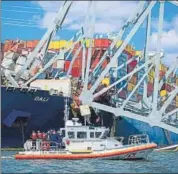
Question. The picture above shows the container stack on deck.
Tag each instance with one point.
(99, 46)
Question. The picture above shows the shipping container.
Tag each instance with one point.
(138, 53)
(123, 94)
(140, 90)
(76, 72)
(150, 86)
(54, 45)
(102, 43)
(63, 85)
(150, 79)
(152, 73)
(163, 68)
(139, 97)
(176, 97)
(133, 80)
(133, 63)
(62, 44)
(119, 43)
(130, 86)
(87, 42)
(176, 103)
(66, 65)
(177, 81)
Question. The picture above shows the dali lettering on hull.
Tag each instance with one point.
(42, 99)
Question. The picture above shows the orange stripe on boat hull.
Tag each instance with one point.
(84, 156)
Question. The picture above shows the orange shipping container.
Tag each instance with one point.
(102, 43)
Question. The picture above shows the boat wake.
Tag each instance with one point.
(7, 157)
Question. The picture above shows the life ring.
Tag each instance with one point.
(45, 145)
(67, 142)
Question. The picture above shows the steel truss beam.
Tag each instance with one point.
(154, 116)
(55, 26)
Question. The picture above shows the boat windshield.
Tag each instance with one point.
(105, 135)
(82, 135)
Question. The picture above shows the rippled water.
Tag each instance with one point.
(157, 162)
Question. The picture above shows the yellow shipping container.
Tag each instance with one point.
(152, 73)
(119, 43)
(138, 53)
(177, 103)
(176, 81)
(54, 45)
(150, 79)
(130, 86)
(106, 81)
(62, 43)
(176, 97)
(163, 93)
(162, 68)
(88, 42)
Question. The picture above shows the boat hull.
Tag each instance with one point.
(125, 153)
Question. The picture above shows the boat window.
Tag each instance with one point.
(104, 136)
(81, 135)
(71, 134)
(97, 134)
(91, 134)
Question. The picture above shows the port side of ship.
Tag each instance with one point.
(24, 110)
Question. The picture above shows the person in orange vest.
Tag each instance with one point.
(39, 135)
(33, 136)
(43, 136)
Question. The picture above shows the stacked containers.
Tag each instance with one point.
(31, 44)
(140, 75)
(8, 45)
(122, 72)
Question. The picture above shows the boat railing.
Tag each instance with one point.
(43, 146)
(120, 139)
(138, 139)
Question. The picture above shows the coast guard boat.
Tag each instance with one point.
(79, 141)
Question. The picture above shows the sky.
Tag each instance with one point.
(29, 20)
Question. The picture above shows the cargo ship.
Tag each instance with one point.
(39, 109)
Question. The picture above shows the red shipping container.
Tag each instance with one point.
(130, 68)
(102, 43)
(77, 63)
(150, 86)
(139, 97)
(133, 63)
(161, 73)
(149, 93)
(67, 64)
(123, 94)
(76, 72)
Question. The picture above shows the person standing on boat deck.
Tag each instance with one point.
(34, 138)
(39, 135)
(43, 136)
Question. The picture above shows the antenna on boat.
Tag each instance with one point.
(66, 111)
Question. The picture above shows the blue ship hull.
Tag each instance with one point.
(127, 126)
(40, 110)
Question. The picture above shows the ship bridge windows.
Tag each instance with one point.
(82, 135)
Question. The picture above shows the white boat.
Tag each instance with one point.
(83, 142)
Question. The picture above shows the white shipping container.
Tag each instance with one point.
(62, 85)
(21, 60)
(17, 68)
